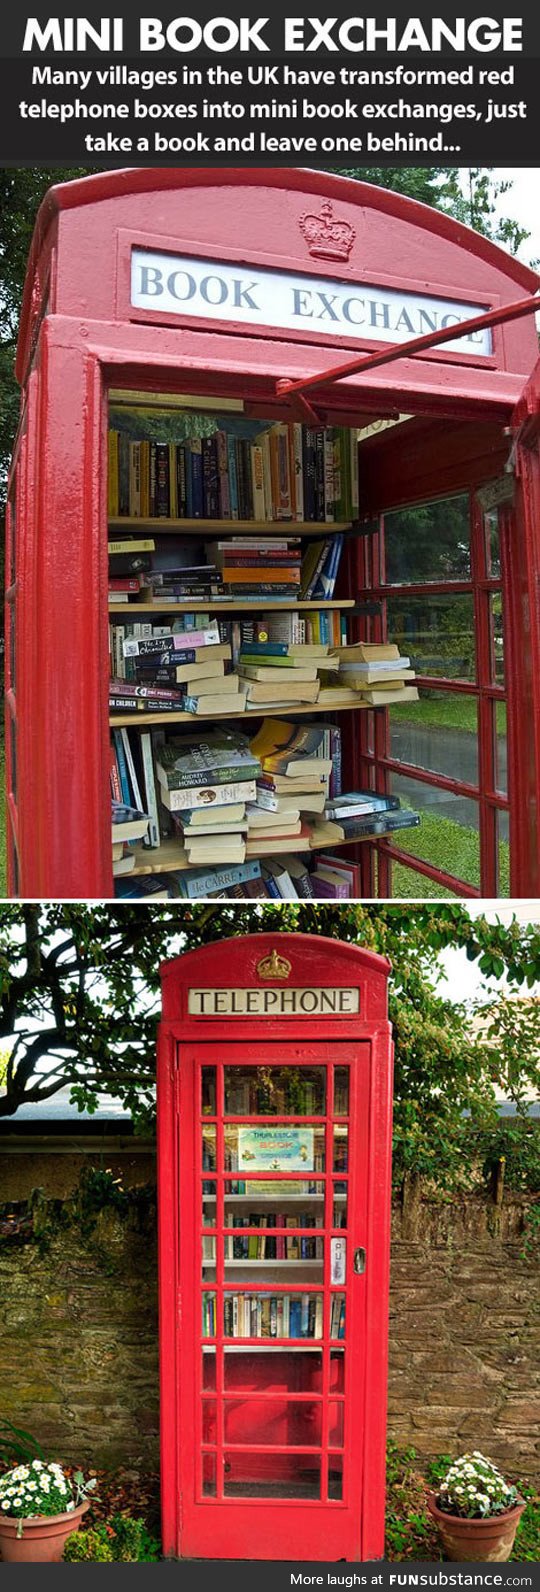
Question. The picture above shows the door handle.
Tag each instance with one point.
(359, 1261)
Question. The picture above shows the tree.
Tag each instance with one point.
(79, 1003)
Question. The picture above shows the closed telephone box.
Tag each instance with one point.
(274, 1110)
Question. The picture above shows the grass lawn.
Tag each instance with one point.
(448, 712)
(449, 846)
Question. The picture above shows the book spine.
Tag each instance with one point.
(208, 796)
(162, 506)
(310, 474)
(224, 496)
(216, 878)
(298, 467)
(181, 482)
(123, 474)
(145, 479)
(319, 475)
(152, 837)
(257, 482)
(233, 477)
(329, 479)
(196, 475)
(153, 479)
(122, 768)
(173, 482)
(112, 479)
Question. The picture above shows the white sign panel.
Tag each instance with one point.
(211, 290)
(281, 1002)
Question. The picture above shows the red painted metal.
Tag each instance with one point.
(79, 335)
(416, 345)
(227, 1409)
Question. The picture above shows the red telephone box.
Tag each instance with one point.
(274, 1135)
(138, 287)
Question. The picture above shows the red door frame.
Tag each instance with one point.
(315, 962)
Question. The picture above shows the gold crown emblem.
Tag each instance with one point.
(331, 240)
(274, 966)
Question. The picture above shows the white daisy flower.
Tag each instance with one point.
(70, 1506)
(37, 1464)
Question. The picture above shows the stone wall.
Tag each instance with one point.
(78, 1323)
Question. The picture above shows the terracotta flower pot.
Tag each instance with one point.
(43, 1536)
(477, 1541)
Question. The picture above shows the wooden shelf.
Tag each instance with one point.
(284, 711)
(190, 605)
(168, 858)
(217, 528)
(230, 1265)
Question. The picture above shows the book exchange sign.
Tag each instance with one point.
(279, 1001)
(210, 289)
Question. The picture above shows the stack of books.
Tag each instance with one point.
(320, 569)
(276, 673)
(237, 471)
(205, 787)
(129, 825)
(252, 569)
(375, 670)
(180, 671)
(180, 582)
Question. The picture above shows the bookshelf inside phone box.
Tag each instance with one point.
(283, 616)
(274, 1241)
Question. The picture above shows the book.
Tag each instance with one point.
(283, 747)
(221, 756)
(206, 796)
(277, 694)
(195, 818)
(260, 818)
(290, 674)
(275, 867)
(208, 705)
(172, 641)
(382, 698)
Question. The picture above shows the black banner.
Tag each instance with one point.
(231, 89)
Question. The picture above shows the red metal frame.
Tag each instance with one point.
(76, 341)
(195, 1523)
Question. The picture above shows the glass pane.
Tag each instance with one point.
(208, 1252)
(209, 1369)
(209, 1475)
(274, 1422)
(337, 1370)
(341, 1147)
(339, 1216)
(272, 1475)
(275, 1091)
(337, 1315)
(209, 1204)
(429, 543)
(209, 1420)
(341, 1091)
(274, 1149)
(209, 1316)
(208, 1091)
(267, 1315)
(501, 750)
(497, 639)
(260, 1193)
(448, 836)
(493, 554)
(438, 733)
(260, 1370)
(278, 1245)
(503, 854)
(436, 633)
(336, 1414)
(209, 1148)
(335, 1476)
(409, 885)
